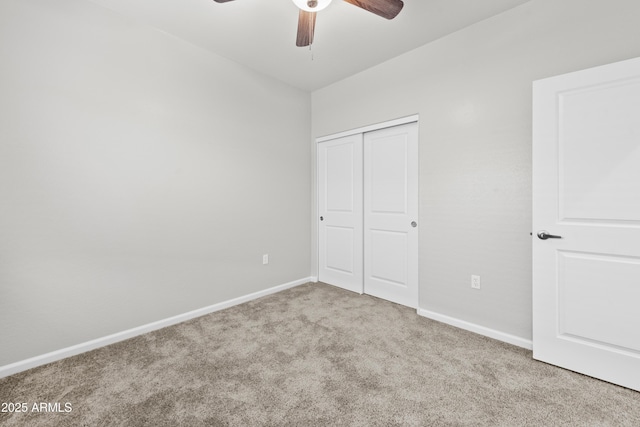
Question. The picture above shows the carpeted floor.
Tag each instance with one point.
(314, 355)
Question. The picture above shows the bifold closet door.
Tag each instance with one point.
(391, 214)
(340, 212)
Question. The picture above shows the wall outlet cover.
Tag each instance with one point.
(475, 281)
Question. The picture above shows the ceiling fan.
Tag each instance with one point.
(388, 9)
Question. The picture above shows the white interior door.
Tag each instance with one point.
(340, 210)
(586, 189)
(391, 214)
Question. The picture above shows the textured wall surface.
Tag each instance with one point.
(140, 177)
(472, 90)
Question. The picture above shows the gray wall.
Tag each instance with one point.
(140, 177)
(472, 90)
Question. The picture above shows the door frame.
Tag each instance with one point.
(414, 118)
(369, 128)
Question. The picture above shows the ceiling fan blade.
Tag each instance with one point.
(386, 8)
(306, 27)
(221, 1)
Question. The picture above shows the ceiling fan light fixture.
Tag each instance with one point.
(312, 5)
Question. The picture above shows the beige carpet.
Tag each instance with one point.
(314, 355)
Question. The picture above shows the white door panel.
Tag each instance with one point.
(387, 172)
(340, 207)
(390, 207)
(340, 243)
(340, 175)
(586, 189)
(383, 242)
(599, 152)
(590, 285)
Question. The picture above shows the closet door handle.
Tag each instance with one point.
(321, 218)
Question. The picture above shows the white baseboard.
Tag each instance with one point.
(53, 356)
(313, 279)
(488, 332)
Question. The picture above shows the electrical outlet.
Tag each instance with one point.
(265, 259)
(475, 281)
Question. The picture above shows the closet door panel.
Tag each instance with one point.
(340, 212)
(391, 214)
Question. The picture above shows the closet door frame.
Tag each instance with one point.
(369, 128)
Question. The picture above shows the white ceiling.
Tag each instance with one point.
(261, 33)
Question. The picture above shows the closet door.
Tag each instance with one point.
(340, 212)
(391, 214)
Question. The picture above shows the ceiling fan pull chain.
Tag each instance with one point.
(311, 30)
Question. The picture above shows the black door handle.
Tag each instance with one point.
(321, 218)
(544, 235)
